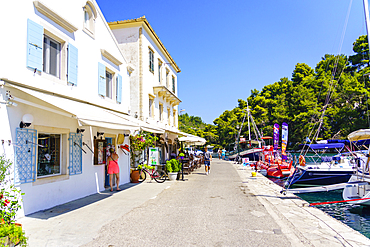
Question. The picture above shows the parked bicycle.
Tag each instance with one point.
(158, 175)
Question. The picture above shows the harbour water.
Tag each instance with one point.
(356, 217)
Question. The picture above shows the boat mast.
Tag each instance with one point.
(367, 19)
(249, 126)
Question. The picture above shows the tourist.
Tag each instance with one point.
(219, 153)
(207, 160)
(223, 154)
(113, 168)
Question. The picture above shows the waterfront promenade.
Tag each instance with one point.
(229, 207)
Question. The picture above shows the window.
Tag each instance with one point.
(159, 71)
(108, 84)
(168, 116)
(167, 82)
(89, 19)
(151, 106)
(151, 61)
(51, 52)
(174, 117)
(173, 84)
(49, 155)
(160, 112)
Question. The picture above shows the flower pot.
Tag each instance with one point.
(135, 176)
(172, 176)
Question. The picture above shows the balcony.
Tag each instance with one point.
(167, 95)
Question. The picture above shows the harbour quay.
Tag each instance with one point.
(228, 207)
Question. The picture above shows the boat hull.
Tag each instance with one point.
(316, 177)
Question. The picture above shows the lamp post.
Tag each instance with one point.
(237, 127)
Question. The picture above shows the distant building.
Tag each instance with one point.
(153, 83)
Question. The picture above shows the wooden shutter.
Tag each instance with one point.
(72, 64)
(35, 37)
(102, 90)
(119, 88)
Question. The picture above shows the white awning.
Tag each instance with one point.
(86, 114)
(362, 134)
(192, 139)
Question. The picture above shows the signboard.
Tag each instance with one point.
(276, 136)
(153, 156)
(284, 140)
(242, 140)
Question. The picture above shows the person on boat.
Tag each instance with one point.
(207, 160)
(113, 168)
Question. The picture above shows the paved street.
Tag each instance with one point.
(213, 210)
(229, 207)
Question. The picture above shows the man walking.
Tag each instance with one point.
(207, 160)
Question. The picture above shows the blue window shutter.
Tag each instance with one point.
(72, 64)
(75, 153)
(25, 156)
(102, 83)
(35, 40)
(119, 88)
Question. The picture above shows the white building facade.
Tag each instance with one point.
(65, 98)
(153, 83)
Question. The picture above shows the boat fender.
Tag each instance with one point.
(302, 160)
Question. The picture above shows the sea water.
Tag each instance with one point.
(355, 216)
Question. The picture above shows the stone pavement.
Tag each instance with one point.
(87, 220)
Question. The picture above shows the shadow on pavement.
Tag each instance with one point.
(79, 203)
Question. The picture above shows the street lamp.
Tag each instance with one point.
(237, 127)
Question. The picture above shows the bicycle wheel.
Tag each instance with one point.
(159, 177)
(142, 176)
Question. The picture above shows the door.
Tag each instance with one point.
(110, 143)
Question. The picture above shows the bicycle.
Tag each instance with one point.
(158, 175)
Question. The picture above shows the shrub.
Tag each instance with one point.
(173, 165)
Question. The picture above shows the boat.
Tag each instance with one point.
(272, 165)
(320, 170)
(359, 193)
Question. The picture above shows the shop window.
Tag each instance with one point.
(100, 151)
(48, 154)
(51, 52)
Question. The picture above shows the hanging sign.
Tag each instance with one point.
(276, 136)
(284, 140)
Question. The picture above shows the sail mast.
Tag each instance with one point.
(367, 19)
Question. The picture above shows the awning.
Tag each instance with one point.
(359, 135)
(192, 139)
(86, 114)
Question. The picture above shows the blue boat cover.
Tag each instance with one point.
(326, 146)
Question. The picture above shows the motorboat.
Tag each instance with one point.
(321, 169)
(359, 192)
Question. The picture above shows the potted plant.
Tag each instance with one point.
(10, 232)
(173, 167)
(138, 143)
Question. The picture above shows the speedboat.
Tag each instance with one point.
(319, 170)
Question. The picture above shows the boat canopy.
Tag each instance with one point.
(326, 146)
(359, 135)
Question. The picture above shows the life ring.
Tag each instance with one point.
(302, 160)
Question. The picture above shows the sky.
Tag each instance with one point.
(226, 48)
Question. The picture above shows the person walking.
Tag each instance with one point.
(219, 153)
(113, 168)
(207, 160)
(223, 154)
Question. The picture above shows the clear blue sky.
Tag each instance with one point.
(227, 48)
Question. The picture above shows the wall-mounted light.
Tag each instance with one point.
(80, 130)
(27, 119)
(126, 135)
(99, 134)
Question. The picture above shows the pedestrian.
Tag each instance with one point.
(113, 168)
(219, 153)
(223, 154)
(207, 160)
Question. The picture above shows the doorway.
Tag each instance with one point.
(111, 142)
